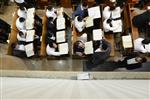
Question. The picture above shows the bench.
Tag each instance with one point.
(13, 34)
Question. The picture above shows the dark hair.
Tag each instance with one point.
(22, 8)
(84, 4)
(79, 18)
(143, 59)
(21, 19)
(49, 8)
(146, 41)
(50, 19)
(76, 47)
(104, 46)
(20, 33)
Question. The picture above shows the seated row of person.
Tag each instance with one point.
(55, 30)
(29, 32)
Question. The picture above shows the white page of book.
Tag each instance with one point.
(88, 47)
(60, 36)
(30, 35)
(29, 50)
(60, 23)
(63, 48)
(89, 22)
(127, 41)
(94, 12)
(29, 23)
(30, 12)
(97, 34)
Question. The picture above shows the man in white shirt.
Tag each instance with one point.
(79, 23)
(50, 12)
(20, 23)
(22, 12)
(142, 45)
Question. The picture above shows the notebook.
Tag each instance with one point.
(63, 48)
(60, 36)
(94, 12)
(89, 22)
(30, 35)
(97, 34)
(60, 23)
(29, 50)
(88, 48)
(127, 41)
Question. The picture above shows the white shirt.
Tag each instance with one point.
(51, 51)
(116, 13)
(116, 26)
(19, 1)
(50, 14)
(20, 25)
(138, 46)
(20, 47)
(79, 25)
(21, 38)
(22, 13)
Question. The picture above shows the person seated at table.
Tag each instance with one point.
(22, 12)
(78, 48)
(102, 49)
(20, 23)
(51, 45)
(20, 2)
(51, 25)
(19, 47)
(130, 62)
(80, 11)
(79, 24)
(50, 12)
(112, 26)
(140, 45)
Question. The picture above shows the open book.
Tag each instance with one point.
(88, 47)
(29, 50)
(30, 18)
(30, 35)
(89, 22)
(60, 36)
(127, 41)
(60, 23)
(94, 12)
(63, 48)
(97, 34)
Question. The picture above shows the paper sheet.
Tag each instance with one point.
(30, 35)
(60, 36)
(127, 41)
(94, 12)
(63, 48)
(60, 23)
(29, 50)
(89, 22)
(83, 76)
(97, 34)
(88, 47)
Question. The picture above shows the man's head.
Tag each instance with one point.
(50, 8)
(79, 18)
(21, 19)
(140, 59)
(146, 41)
(84, 5)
